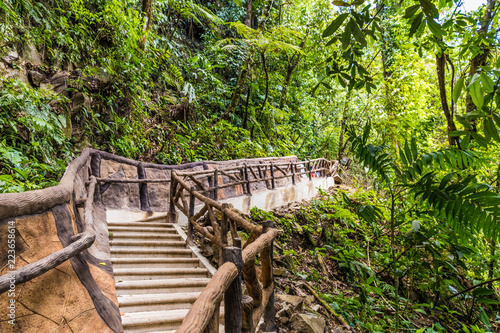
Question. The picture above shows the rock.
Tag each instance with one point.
(287, 311)
(305, 323)
(20, 74)
(80, 101)
(10, 57)
(30, 54)
(316, 307)
(295, 301)
(280, 272)
(206, 247)
(284, 320)
(36, 78)
(337, 179)
(59, 81)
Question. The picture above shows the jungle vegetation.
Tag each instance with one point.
(408, 89)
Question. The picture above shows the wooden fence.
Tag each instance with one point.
(237, 264)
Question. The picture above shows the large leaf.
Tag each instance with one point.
(457, 90)
(476, 92)
(416, 23)
(410, 11)
(335, 25)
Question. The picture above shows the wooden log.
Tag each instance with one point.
(309, 169)
(197, 182)
(281, 170)
(95, 170)
(171, 210)
(131, 181)
(254, 288)
(143, 189)
(246, 314)
(232, 227)
(213, 324)
(216, 185)
(258, 245)
(273, 185)
(233, 295)
(253, 172)
(215, 225)
(266, 258)
(249, 192)
(233, 178)
(292, 168)
(191, 214)
(258, 311)
(240, 221)
(203, 309)
(198, 195)
(80, 243)
(224, 226)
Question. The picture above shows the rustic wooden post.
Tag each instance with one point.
(268, 280)
(143, 188)
(216, 184)
(233, 295)
(273, 185)
(247, 310)
(191, 214)
(309, 169)
(249, 192)
(171, 209)
(293, 173)
(95, 170)
(224, 224)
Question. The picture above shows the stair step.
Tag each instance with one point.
(114, 229)
(117, 243)
(156, 302)
(141, 224)
(136, 252)
(140, 287)
(155, 262)
(159, 217)
(155, 320)
(143, 235)
(128, 274)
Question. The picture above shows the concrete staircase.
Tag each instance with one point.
(157, 276)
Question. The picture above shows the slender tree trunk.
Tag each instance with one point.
(147, 10)
(238, 89)
(482, 57)
(245, 117)
(292, 64)
(248, 16)
(440, 66)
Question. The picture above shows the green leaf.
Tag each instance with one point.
(237, 2)
(341, 3)
(490, 127)
(346, 36)
(457, 90)
(335, 25)
(486, 301)
(483, 291)
(414, 148)
(464, 144)
(476, 92)
(408, 153)
(488, 84)
(429, 8)
(435, 27)
(358, 35)
(410, 11)
(464, 122)
(416, 23)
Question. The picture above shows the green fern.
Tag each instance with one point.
(466, 205)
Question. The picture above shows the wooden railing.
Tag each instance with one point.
(241, 313)
(18, 204)
(237, 264)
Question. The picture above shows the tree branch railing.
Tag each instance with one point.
(242, 313)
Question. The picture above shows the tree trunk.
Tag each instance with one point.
(292, 64)
(440, 66)
(147, 10)
(248, 16)
(239, 87)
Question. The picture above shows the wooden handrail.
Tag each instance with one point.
(81, 242)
